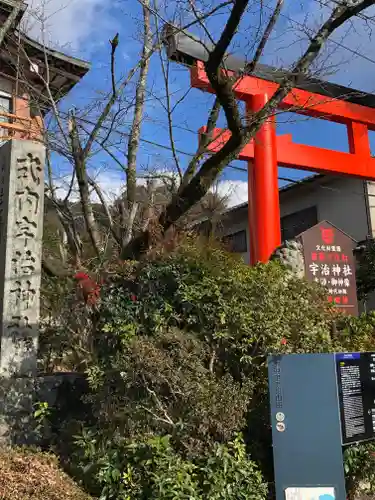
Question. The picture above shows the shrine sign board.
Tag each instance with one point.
(356, 394)
(306, 427)
(318, 402)
(329, 261)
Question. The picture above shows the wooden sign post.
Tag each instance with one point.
(329, 261)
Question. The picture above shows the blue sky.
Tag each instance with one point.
(83, 28)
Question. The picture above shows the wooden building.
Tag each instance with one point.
(32, 76)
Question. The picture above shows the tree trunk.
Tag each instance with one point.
(87, 211)
(133, 145)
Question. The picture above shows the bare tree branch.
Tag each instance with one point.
(83, 186)
(222, 83)
(340, 14)
(208, 14)
(107, 211)
(216, 56)
(249, 68)
(165, 71)
(133, 144)
(204, 141)
(200, 21)
(128, 224)
(9, 21)
(159, 405)
(111, 101)
(80, 144)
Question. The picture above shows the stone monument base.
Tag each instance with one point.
(18, 397)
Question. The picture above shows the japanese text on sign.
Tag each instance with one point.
(329, 261)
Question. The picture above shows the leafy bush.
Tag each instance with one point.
(179, 349)
(163, 384)
(240, 312)
(27, 475)
(366, 270)
(359, 466)
(152, 469)
(356, 333)
(64, 343)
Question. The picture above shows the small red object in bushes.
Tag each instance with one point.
(90, 289)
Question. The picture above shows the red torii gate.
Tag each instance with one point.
(266, 151)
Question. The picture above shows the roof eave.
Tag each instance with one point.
(283, 189)
(70, 69)
(11, 5)
(79, 64)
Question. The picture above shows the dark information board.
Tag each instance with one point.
(329, 260)
(306, 427)
(356, 394)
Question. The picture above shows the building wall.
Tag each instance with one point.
(6, 85)
(340, 201)
(241, 225)
(6, 104)
(370, 186)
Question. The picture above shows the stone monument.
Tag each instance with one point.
(21, 232)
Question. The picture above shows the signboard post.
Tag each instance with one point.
(307, 451)
(329, 261)
(319, 402)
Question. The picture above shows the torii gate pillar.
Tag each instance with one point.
(263, 188)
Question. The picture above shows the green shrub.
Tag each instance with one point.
(152, 469)
(65, 338)
(359, 465)
(242, 313)
(180, 350)
(163, 384)
(366, 270)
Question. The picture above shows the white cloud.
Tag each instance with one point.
(111, 183)
(67, 23)
(235, 191)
